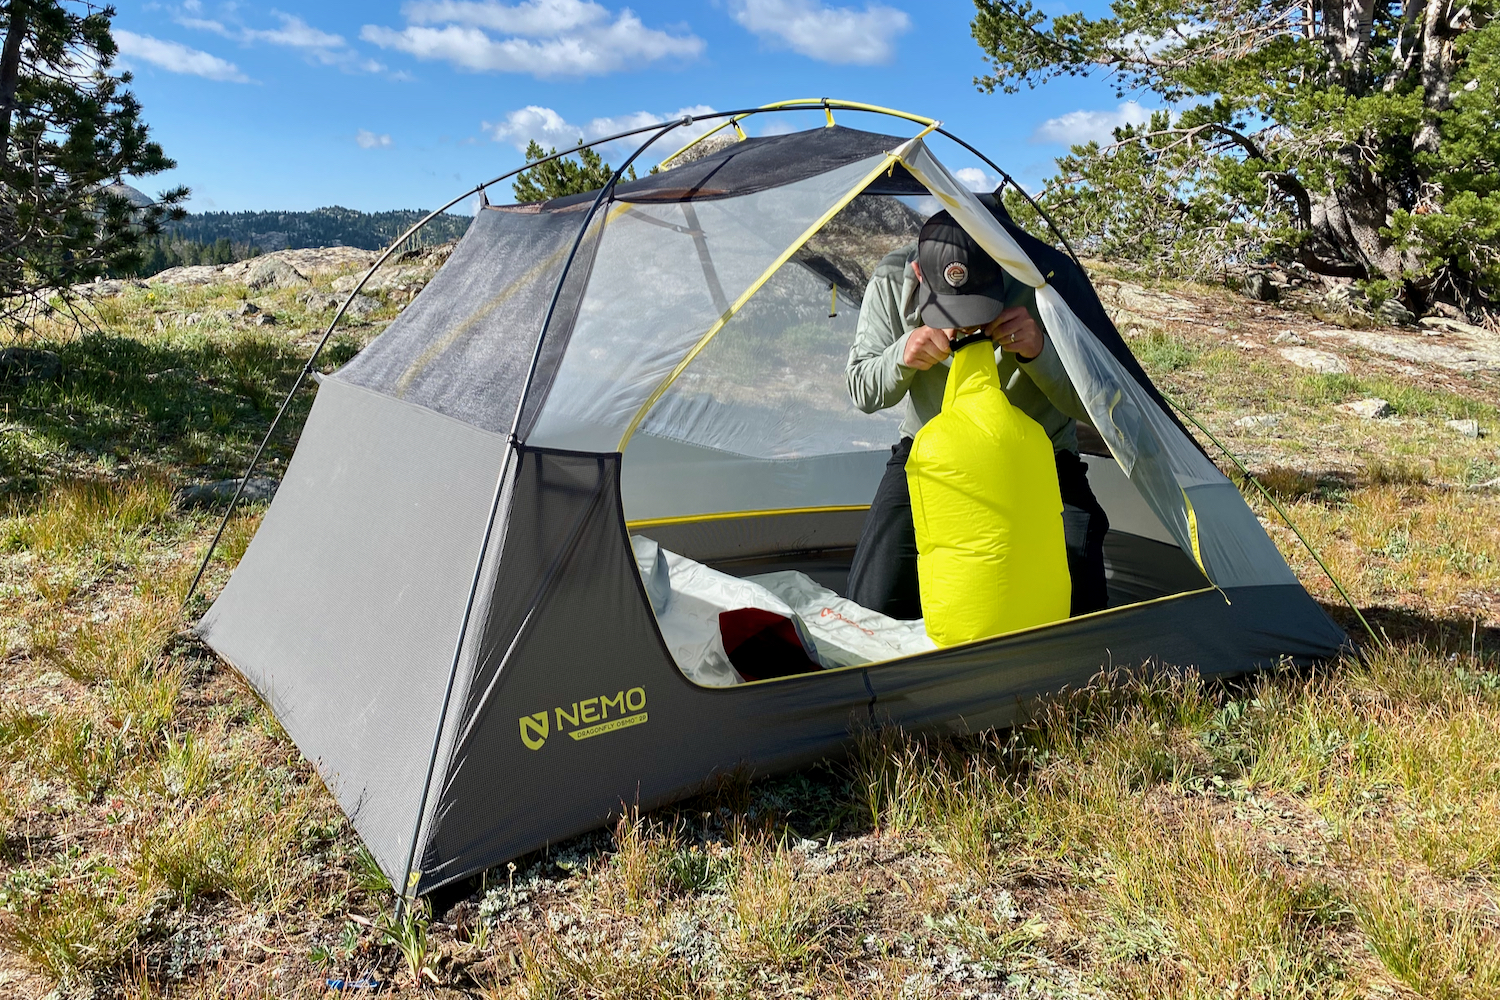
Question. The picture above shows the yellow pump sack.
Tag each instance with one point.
(987, 509)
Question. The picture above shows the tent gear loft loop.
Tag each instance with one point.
(444, 606)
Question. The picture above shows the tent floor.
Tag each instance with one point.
(1138, 569)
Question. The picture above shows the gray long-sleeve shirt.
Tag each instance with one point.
(877, 379)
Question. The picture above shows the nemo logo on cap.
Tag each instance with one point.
(956, 274)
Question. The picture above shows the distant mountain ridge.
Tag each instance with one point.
(322, 227)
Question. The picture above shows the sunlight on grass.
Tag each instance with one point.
(1302, 833)
(236, 843)
(94, 517)
(1393, 539)
(1159, 351)
(780, 921)
(1440, 953)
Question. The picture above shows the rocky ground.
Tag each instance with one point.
(1332, 833)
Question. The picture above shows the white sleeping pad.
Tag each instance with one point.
(847, 634)
(688, 597)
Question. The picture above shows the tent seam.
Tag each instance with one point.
(748, 294)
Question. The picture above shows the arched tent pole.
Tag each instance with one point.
(828, 103)
(489, 527)
(323, 341)
(805, 104)
(1008, 179)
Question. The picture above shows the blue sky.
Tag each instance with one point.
(383, 104)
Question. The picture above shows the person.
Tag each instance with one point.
(920, 299)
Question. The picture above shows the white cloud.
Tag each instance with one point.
(976, 179)
(776, 126)
(544, 38)
(295, 33)
(534, 18)
(177, 58)
(369, 140)
(830, 34)
(550, 129)
(1078, 127)
(204, 24)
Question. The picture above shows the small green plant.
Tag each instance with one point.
(1159, 351)
(689, 870)
(369, 878)
(409, 935)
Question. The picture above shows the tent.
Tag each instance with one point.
(442, 606)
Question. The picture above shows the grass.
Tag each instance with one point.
(1328, 833)
(1436, 952)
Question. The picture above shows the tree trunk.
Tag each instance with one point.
(1437, 73)
(1346, 33)
(10, 70)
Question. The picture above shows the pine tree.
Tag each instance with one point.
(563, 176)
(68, 129)
(1357, 137)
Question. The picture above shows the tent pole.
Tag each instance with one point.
(327, 334)
(1379, 644)
(1008, 179)
(733, 118)
(437, 737)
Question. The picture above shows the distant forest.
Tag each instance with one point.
(226, 237)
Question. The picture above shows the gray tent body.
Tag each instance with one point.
(348, 610)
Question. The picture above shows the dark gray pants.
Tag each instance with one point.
(883, 576)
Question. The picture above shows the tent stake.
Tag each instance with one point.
(406, 890)
(1379, 643)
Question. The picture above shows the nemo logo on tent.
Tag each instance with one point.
(590, 717)
(534, 730)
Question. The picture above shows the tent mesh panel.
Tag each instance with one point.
(662, 277)
(753, 165)
(463, 346)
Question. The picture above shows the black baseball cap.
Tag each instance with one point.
(962, 286)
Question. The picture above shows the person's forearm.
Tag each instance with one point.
(1047, 371)
(879, 381)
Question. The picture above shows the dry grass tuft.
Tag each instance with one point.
(237, 843)
(73, 932)
(94, 517)
(1438, 952)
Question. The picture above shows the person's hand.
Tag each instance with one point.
(1015, 331)
(927, 346)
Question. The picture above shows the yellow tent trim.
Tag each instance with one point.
(826, 103)
(730, 515)
(746, 295)
(944, 650)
